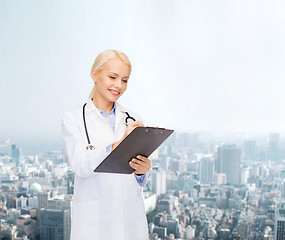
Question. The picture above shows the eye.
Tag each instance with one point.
(125, 81)
(112, 77)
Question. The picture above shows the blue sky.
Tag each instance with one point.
(197, 65)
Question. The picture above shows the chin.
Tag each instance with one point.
(113, 99)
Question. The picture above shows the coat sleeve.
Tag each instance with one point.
(82, 161)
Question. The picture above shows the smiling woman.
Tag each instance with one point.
(106, 205)
(111, 82)
(103, 58)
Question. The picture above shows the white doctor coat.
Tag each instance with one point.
(105, 206)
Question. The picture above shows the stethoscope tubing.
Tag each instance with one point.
(90, 146)
(129, 117)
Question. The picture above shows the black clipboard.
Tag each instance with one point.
(141, 141)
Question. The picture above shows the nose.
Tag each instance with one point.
(118, 83)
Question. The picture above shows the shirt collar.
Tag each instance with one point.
(90, 107)
(113, 111)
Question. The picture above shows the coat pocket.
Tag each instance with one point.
(85, 220)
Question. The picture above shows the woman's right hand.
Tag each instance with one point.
(130, 128)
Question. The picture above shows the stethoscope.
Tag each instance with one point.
(89, 145)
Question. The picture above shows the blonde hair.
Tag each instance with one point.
(104, 57)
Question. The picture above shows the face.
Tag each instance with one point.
(111, 81)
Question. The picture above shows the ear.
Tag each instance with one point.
(93, 76)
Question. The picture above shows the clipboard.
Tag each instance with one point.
(141, 141)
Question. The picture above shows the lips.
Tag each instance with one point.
(116, 93)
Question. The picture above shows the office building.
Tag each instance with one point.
(255, 170)
(244, 175)
(61, 202)
(206, 170)
(54, 224)
(15, 154)
(190, 232)
(164, 163)
(158, 181)
(279, 224)
(228, 162)
(243, 229)
(161, 232)
(42, 199)
(70, 182)
(220, 179)
(273, 152)
(250, 150)
(165, 205)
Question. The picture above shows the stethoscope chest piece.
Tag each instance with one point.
(90, 147)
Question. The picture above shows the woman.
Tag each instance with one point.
(105, 205)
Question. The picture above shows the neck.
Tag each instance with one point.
(103, 105)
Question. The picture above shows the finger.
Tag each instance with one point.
(140, 170)
(137, 123)
(140, 166)
(137, 167)
(138, 162)
(143, 158)
(133, 165)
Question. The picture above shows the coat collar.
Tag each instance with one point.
(120, 112)
(91, 107)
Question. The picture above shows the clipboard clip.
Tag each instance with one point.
(157, 128)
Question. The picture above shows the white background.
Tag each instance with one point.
(197, 65)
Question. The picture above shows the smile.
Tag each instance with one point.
(116, 93)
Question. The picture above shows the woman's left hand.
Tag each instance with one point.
(141, 165)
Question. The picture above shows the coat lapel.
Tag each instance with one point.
(120, 114)
(90, 108)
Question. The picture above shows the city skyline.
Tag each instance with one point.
(36, 146)
(194, 189)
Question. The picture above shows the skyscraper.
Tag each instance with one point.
(0, 228)
(279, 224)
(243, 229)
(228, 162)
(220, 179)
(250, 150)
(42, 199)
(70, 182)
(61, 202)
(273, 146)
(158, 181)
(54, 224)
(15, 154)
(206, 170)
